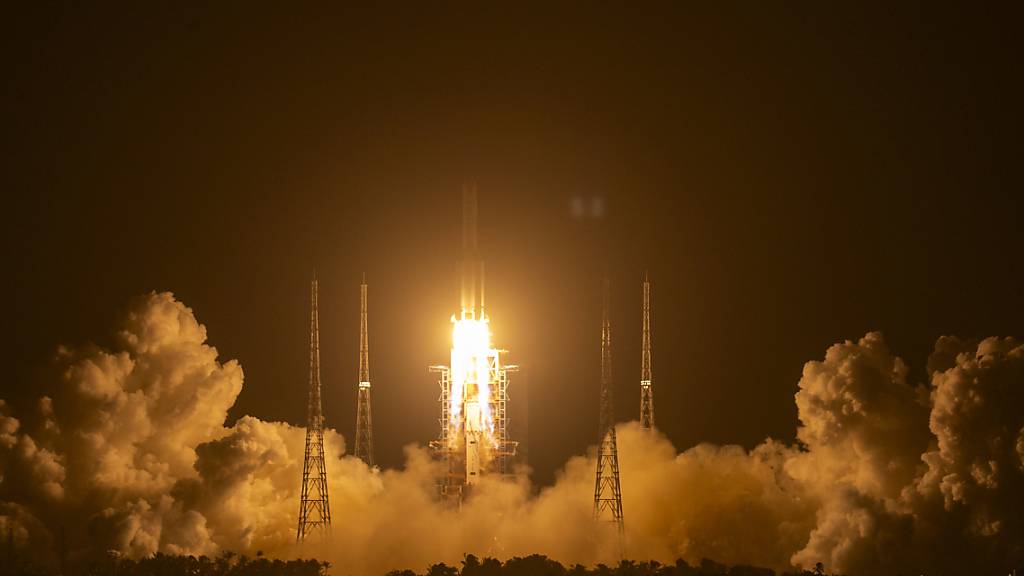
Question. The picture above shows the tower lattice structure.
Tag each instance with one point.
(314, 506)
(364, 420)
(607, 487)
(646, 384)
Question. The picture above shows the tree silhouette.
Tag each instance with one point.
(227, 564)
(442, 569)
(231, 564)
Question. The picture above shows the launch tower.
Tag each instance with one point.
(607, 489)
(473, 439)
(646, 386)
(364, 421)
(314, 507)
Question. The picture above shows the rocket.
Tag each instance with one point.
(473, 439)
(471, 303)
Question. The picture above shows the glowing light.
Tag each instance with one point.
(473, 370)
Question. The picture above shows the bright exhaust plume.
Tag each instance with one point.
(473, 362)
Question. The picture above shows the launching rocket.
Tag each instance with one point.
(472, 355)
(473, 439)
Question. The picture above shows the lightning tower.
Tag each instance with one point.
(364, 421)
(646, 386)
(607, 489)
(314, 507)
(473, 439)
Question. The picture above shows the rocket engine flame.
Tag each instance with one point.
(473, 369)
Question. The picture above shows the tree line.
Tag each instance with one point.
(226, 564)
(231, 564)
(539, 565)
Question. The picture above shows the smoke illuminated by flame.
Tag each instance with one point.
(130, 454)
(473, 369)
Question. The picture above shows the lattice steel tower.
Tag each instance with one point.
(364, 421)
(314, 507)
(607, 489)
(646, 386)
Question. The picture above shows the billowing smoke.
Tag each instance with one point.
(130, 453)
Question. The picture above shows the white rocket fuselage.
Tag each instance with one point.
(473, 441)
(471, 300)
(471, 373)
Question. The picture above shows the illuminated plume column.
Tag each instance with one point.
(473, 439)
(314, 507)
(607, 488)
(364, 420)
(646, 384)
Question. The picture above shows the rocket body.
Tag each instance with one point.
(473, 439)
(472, 423)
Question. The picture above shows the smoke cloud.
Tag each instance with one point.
(130, 453)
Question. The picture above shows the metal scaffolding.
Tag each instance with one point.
(364, 419)
(450, 446)
(646, 383)
(607, 487)
(505, 449)
(314, 506)
(453, 477)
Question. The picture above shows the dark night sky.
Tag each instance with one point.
(792, 174)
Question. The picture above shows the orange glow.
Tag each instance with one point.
(473, 371)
